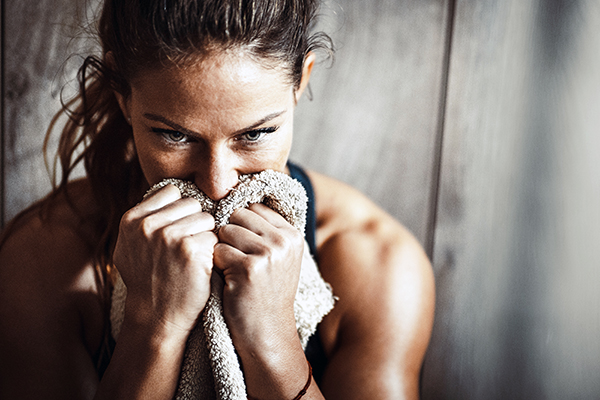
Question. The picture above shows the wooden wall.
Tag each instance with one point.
(374, 120)
(518, 224)
(474, 122)
(43, 41)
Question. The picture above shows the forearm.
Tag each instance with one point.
(278, 372)
(145, 365)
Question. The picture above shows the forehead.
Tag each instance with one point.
(224, 80)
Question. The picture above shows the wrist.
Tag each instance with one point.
(154, 331)
(275, 374)
(265, 341)
(145, 363)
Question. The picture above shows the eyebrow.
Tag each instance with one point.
(159, 118)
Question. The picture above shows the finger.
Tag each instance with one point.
(179, 209)
(161, 198)
(249, 220)
(200, 244)
(168, 214)
(207, 238)
(200, 248)
(258, 218)
(269, 215)
(191, 225)
(225, 257)
(243, 239)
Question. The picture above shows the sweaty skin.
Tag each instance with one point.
(209, 123)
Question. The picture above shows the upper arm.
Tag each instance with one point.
(46, 285)
(379, 330)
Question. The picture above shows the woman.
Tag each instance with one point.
(203, 91)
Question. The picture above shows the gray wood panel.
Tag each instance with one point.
(374, 118)
(43, 39)
(1, 119)
(516, 246)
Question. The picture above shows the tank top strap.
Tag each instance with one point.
(310, 230)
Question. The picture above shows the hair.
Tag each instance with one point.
(140, 35)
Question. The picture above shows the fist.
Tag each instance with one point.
(164, 252)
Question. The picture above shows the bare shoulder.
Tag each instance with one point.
(48, 293)
(384, 281)
(346, 215)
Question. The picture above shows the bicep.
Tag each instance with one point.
(385, 322)
(366, 371)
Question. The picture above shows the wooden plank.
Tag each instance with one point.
(2, 222)
(516, 251)
(374, 116)
(42, 39)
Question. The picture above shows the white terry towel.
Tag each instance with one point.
(210, 367)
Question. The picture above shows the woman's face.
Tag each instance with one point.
(211, 122)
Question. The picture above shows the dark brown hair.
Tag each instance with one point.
(140, 34)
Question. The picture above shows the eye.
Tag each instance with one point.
(175, 136)
(256, 134)
(171, 135)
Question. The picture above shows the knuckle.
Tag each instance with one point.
(168, 233)
(129, 216)
(209, 237)
(197, 245)
(266, 248)
(188, 246)
(245, 263)
(251, 265)
(279, 241)
(284, 241)
(148, 225)
(128, 219)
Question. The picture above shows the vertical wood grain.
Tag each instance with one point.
(516, 255)
(373, 121)
(2, 222)
(42, 41)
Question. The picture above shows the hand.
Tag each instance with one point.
(260, 255)
(164, 253)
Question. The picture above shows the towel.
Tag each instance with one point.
(211, 368)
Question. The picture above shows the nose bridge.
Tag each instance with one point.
(219, 172)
